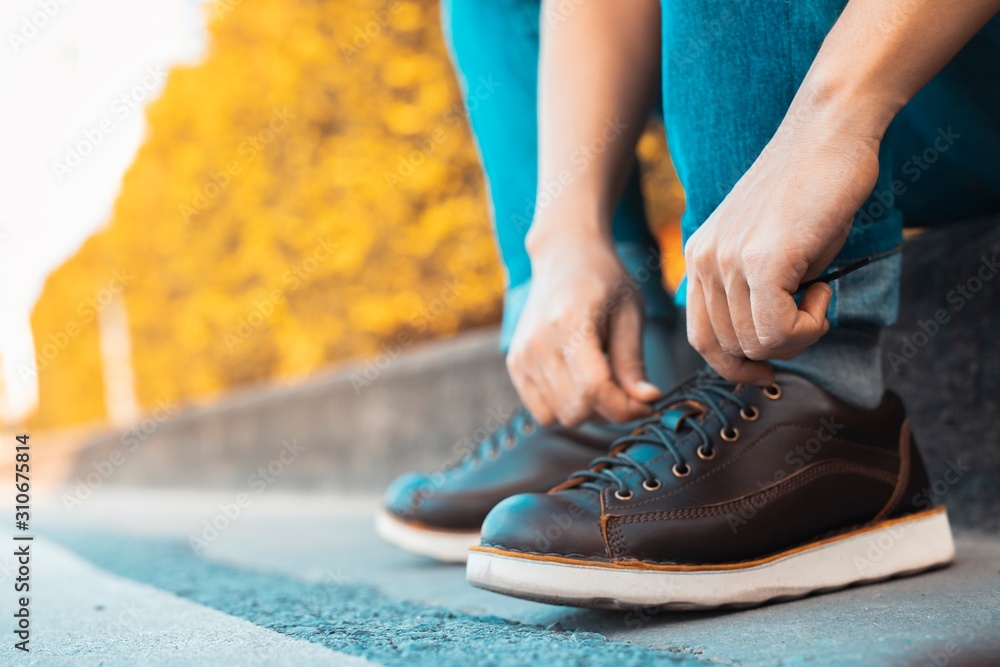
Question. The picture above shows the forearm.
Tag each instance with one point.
(597, 78)
(879, 54)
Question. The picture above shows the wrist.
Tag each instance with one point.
(552, 230)
(848, 104)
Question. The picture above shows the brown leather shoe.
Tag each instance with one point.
(439, 515)
(734, 496)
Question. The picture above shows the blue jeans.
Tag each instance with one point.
(497, 41)
(730, 70)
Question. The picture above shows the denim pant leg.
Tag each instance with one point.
(946, 142)
(730, 71)
(494, 47)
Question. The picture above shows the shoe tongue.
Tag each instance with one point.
(670, 421)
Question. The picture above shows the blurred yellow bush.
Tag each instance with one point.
(302, 197)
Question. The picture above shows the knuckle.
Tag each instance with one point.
(694, 253)
(772, 341)
(701, 261)
(515, 363)
(630, 368)
(753, 258)
(729, 257)
(510, 363)
(554, 318)
(732, 348)
(591, 389)
(698, 341)
(573, 413)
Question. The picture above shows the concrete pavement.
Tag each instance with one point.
(82, 615)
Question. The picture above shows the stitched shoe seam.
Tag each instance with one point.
(571, 554)
(783, 488)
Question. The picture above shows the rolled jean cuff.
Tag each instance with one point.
(869, 295)
(643, 263)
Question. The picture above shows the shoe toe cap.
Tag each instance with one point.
(561, 524)
(406, 493)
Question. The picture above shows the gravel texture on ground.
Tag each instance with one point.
(350, 618)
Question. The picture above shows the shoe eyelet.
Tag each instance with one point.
(527, 429)
(655, 486)
(624, 496)
(509, 442)
(706, 454)
(773, 392)
(493, 455)
(730, 434)
(681, 472)
(750, 413)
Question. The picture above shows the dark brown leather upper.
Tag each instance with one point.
(810, 465)
(459, 497)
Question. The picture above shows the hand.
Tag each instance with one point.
(783, 223)
(582, 304)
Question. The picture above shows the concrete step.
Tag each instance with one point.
(355, 428)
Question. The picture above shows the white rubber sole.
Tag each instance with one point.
(442, 545)
(892, 548)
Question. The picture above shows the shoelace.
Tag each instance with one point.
(707, 394)
(521, 424)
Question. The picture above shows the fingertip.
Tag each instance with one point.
(543, 418)
(645, 391)
(817, 299)
(638, 410)
(755, 373)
